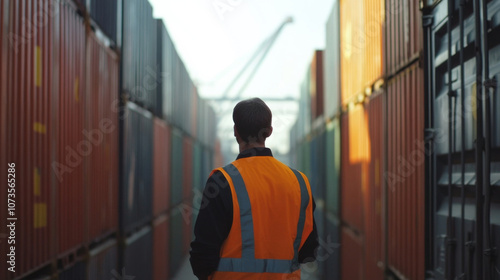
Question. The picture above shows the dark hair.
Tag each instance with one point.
(252, 119)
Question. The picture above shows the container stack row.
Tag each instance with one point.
(108, 149)
(402, 188)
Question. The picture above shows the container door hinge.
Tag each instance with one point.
(452, 93)
(491, 83)
(490, 252)
(427, 21)
(429, 134)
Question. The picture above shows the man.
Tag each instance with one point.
(256, 219)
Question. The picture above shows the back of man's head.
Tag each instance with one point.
(252, 120)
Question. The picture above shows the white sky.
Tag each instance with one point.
(212, 41)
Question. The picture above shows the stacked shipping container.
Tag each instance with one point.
(59, 112)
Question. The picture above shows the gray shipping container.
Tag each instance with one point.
(137, 182)
(137, 255)
(139, 62)
(332, 64)
(103, 261)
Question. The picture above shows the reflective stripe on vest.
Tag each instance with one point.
(248, 262)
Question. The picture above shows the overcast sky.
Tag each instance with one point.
(216, 37)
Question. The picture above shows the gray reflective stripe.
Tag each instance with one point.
(248, 262)
(256, 265)
(247, 237)
(304, 201)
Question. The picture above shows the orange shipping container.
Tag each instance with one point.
(361, 52)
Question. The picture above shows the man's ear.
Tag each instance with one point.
(236, 134)
(270, 131)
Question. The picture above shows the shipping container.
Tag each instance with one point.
(331, 64)
(361, 46)
(402, 36)
(30, 137)
(73, 143)
(405, 173)
(161, 172)
(176, 239)
(331, 255)
(316, 85)
(161, 248)
(165, 54)
(176, 187)
(317, 165)
(373, 200)
(354, 159)
(77, 271)
(136, 191)
(139, 63)
(103, 261)
(137, 256)
(332, 167)
(461, 121)
(102, 75)
(107, 15)
(351, 256)
(187, 169)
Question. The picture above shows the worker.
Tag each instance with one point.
(256, 218)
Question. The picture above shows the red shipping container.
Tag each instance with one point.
(403, 34)
(160, 248)
(351, 256)
(187, 192)
(30, 134)
(373, 196)
(161, 171)
(354, 157)
(316, 85)
(405, 173)
(72, 146)
(102, 119)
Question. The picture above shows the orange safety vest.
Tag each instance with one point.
(272, 218)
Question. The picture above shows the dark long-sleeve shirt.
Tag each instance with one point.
(215, 219)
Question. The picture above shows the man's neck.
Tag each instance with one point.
(245, 146)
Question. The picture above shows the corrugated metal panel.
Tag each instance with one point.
(332, 239)
(332, 63)
(165, 52)
(177, 168)
(405, 174)
(107, 14)
(102, 125)
(161, 172)
(136, 191)
(30, 134)
(138, 255)
(187, 168)
(176, 244)
(351, 256)
(76, 272)
(161, 248)
(373, 195)
(403, 34)
(139, 63)
(361, 45)
(354, 158)
(103, 260)
(317, 166)
(316, 87)
(332, 172)
(72, 147)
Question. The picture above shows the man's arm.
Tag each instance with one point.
(212, 226)
(306, 253)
